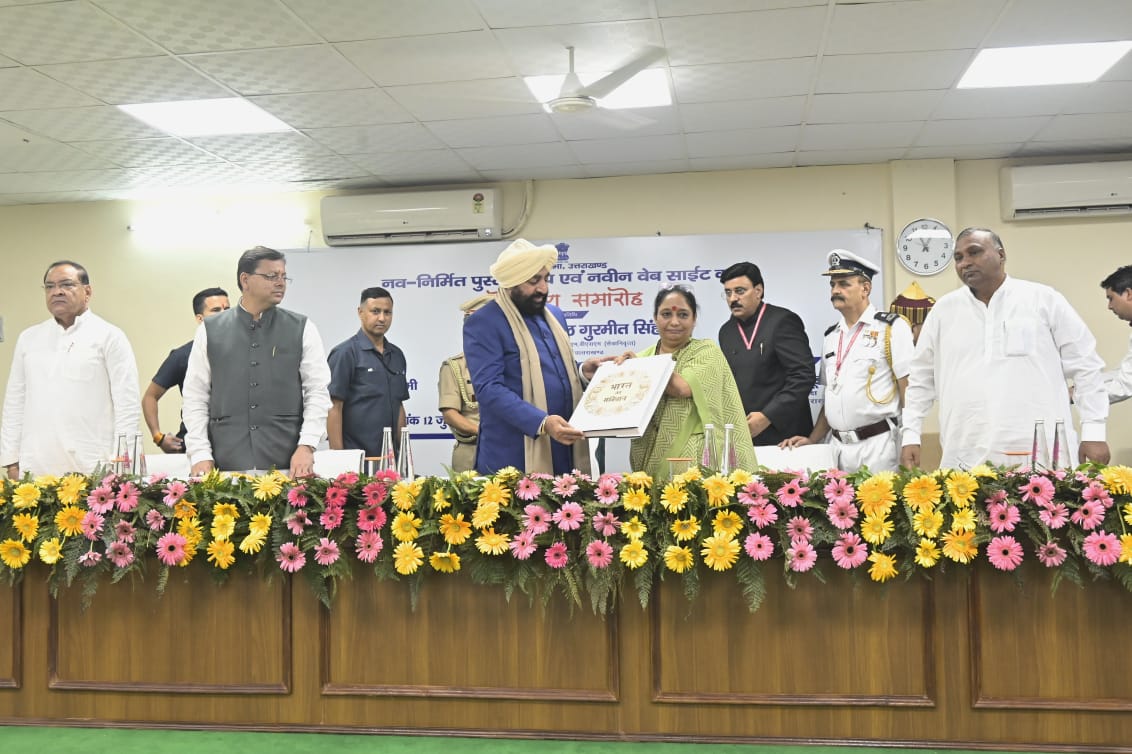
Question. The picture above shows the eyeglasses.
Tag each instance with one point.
(274, 277)
(66, 285)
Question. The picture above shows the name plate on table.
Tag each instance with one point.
(621, 399)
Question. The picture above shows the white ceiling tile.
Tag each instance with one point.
(736, 37)
(282, 70)
(468, 99)
(342, 20)
(847, 156)
(892, 72)
(82, 123)
(872, 107)
(26, 89)
(858, 135)
(1005, 103)
(742, 162)
(518, 156)
(51, 197)
(1122, 71)
(352, 107)
(647, 167)
(910, 26)
(963, 152)
(260, 147)
(740, 81)
(211, 25)
(6, 62)
(490, 132)
(507, 13)
(122, 82)
(743, 142)
(598, 48)
(1088, 127)
(69, 180)
(979, 131)
(535, 174)
(140, 153)
(394, 137)
(11, 136)
(425, 60)
(48, 156)
(694, 7)
(644, 149)
(66, 32)
(611, 124)
(752, 113)
(1100, 97)
(1038, 22)
(424, 161)
(195, 176)
(431, 179)
(305, 169)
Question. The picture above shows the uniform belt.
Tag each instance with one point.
(862, 433)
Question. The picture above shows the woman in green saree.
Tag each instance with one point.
(701, 391)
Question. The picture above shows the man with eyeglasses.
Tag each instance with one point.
(769, 354)
(255, 393)
(73, 386)
(368, 386)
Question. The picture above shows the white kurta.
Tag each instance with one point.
(1119, 383)
(997, 369)
(70, 393)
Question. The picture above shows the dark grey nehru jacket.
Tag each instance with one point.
(256, 403)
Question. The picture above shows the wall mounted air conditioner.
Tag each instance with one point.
(1088, 188)
(464, 214)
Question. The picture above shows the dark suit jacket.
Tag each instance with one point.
(775, 376)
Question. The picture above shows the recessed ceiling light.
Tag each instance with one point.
(1042, 65)
(649, 88)
(206, 117)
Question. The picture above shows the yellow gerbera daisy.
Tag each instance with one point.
(71, 489)
(719, 490)
(43, 481)
(25, 495)
(634, 528)
(444, 562)
(927, 523)
(674, 497)
(485, 515)
(226, 509)
(1126, 548)
(678, 559)
(183, 509)
(455, 529)
(727, 524)
(685, 528)
(1117, 480)
(14, 553)
(260, 524)
(440, 500)
(634, 555)
(962, 488)
(26, 525)
(982, 471)
(635, 499)
(963, 520)
(922, 492)
(508, 475)
(740, 477)
(50, 551)
(406, 527)
(267, 487)
(407, 558)
(927, 553)
(223, 526)
(960, 546)
(494, 492)
(876, 496)
(253, 543)
(883, 566)
(490, 543)
(69, 520)
(691, 474)
(1128, 513)
(876, 529)
(402, 495)
(720, 553)
(638, 479)
(221, 554)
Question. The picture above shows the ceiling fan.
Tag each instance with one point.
(574, 97)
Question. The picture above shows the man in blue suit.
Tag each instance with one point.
(523, 370)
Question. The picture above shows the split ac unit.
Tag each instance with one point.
(411, 217)
(1088, 188)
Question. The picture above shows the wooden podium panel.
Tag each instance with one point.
(816, 645)
(11, 624)
(197, 638)
(465, 640)
(1033, 649)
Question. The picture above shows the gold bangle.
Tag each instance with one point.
(158, 437)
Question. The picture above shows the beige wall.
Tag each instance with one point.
(144, 282)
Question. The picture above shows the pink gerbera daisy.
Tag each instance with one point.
(565, 485)
(556, 556)
(523, 545)
(171, 549)
(387, 476)
(331, 518)
(92, 525)
(120, 554)
(1051, 555)
(606, 491)
(850, 552)
(368, 546)
(790, 494)
(998, 496)
(347, 478)
(799, 529)
(569, 517)
(375, 493)
(1089, 516)
(297, 522)
(599, 554)
(1003, 517)
(536, 519)
(763, 515)
(290, 557)
(100, 499)
(1054, 516)
(297, 496)
(842, 514)
(838, 491)
(371, 519)
(326, 552)
(1004, 553)
(801, 556)
(174, 492)
(527, 489)
(90, 558)
(758, 546)
(124, 531)
(606, 524)
(335, 497)
(754, 492)
(542, 475)
(1102, 548)
(1095, 492)
(154, 520)
(127, 501)
(1038, 490)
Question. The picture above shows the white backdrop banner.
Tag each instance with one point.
(605, 286)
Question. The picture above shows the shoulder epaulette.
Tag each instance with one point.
(888, 317)
(830, 329)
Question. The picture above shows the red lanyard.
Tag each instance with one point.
(748, 342)
(840, 339)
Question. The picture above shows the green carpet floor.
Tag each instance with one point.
(100, 740)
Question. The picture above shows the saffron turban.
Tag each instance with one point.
(521, 261)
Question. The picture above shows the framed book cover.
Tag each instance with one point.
(621, 399)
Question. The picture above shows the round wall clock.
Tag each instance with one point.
(925, 246)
